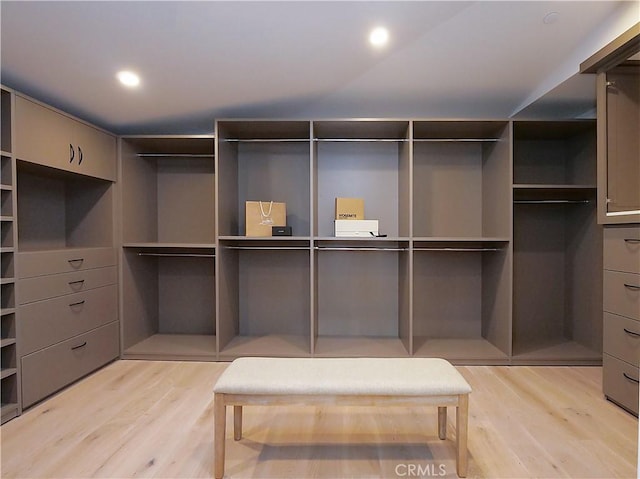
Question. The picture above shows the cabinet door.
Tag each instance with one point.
(43, 136)
(96, 152)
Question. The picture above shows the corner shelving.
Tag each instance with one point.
(168, 249)
(557, 243)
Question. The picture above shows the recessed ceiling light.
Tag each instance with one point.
(128, 78)
(379, 36)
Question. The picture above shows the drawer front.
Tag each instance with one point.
(622, 294)
(39, 263)
(622, 249)
(53, 368)
(620, 382)
(45, 323)
(50, 286)
(622, 338)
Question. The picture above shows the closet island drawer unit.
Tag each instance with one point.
(52, 368)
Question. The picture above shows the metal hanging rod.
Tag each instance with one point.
(180, 255)
(456, 140)
(264, 140)
(455, 250)
(353, 248)
(175, 155)
(552, 202)
(360, 140)
(268, 248)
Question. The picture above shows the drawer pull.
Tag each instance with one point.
(632, 240)
(632, 286)
(79, 346)
(76, 304)
(630, 378)
(81, 155)
(80, 281)
(631, 332)
(75, 263)
(72, 153)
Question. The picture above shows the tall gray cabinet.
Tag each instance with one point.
(59, 286)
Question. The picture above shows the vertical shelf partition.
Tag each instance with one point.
(557, 244)
(362, 286)
(168, 267)
(264, 287)
(10, 371)
(461, 240)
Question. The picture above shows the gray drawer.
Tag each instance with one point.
(51, 286)
(39, 263)
(622, 294)
(622, 249)
(622, 338)
(45, 323)
(620, 382)
(53, 368)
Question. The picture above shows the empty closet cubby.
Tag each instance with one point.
(557, 291)
(263, 161)
(461, 300)
(168, 255)
(59, 210)
(264, 297)
(461, 175)
(361, 298)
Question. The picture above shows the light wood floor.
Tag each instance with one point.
(155, 419)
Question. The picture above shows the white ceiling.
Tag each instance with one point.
(214, 59)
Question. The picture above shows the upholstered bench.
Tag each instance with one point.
(349, 381)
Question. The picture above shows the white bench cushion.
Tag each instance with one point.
(343, 376)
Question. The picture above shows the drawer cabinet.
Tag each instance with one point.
(621, 316)
(622, 249)
(621, 382)
(48, 322)
(622, 337)
(50, 369)
(51, 286)
(40, 263)
(622, 294)
(47, 137)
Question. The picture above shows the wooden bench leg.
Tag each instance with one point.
(462, 418)
(442, 422)
(220, 425)
(237, 422)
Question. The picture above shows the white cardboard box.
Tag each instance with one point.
(356, 228)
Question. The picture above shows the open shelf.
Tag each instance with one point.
(264, 299)
(182, 347)
(357, 346)
(557, 244)
(361, 159)
(273, 345)
(460, 179)
(460, 350)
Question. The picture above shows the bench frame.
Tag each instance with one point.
(222, 400)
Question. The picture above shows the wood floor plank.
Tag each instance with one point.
(155, 419)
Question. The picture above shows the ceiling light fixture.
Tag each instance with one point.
(128, 78)
(379, 36)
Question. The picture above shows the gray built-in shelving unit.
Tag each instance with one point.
(9, 365)
(168, 247)
(474, 250)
